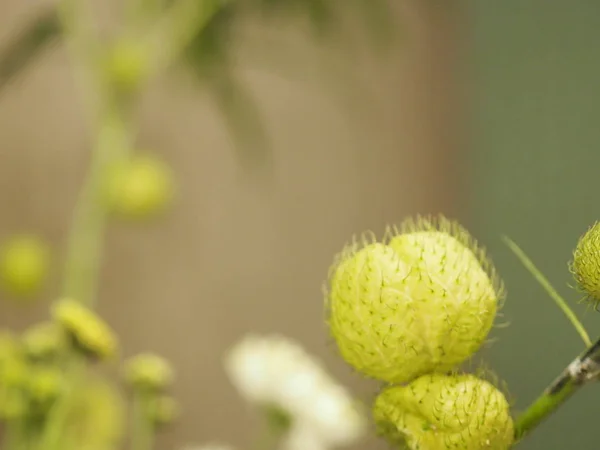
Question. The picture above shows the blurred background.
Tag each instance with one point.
(483, 111)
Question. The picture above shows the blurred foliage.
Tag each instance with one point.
(208, 55)
(51, 396)
(34, 37)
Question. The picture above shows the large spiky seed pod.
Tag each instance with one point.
(585, 265)
(422, 300)
(439, 412)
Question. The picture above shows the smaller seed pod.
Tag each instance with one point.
(24, 263)
(585, 265)
(148, 371)
(443, 412)
(88, 331)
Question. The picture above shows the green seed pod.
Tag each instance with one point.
(139, 187)
(586, 263)
(88, 331)
(24, 262)
(148, 371)
(421, 301)
(439, 412)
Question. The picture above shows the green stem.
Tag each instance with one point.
(143, 430)
(543, 407)
(583, 370)
(562, 304)
(54, 427)
(84, 252)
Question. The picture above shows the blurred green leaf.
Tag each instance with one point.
(29, 43)
(243, 118)
(208, 56)
(320, 13)
(209, 48)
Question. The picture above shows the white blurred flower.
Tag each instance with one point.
(274, 371)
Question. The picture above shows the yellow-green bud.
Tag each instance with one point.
(43, 341)
(127, 64)
(44, 385)
(586, 263)
(24, 265)
(149, 371)
(439, 412)
(89, 332)
(421, 301)
(139, 187)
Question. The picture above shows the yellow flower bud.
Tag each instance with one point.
(24, 265)
(421, 301)
(586, 263)
(149, 371)
(139, 187)
(88, 331)
(439, 412)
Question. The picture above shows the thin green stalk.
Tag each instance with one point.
(562, 304)
(54, 426)
(84, 252)
(142, 437)
(85, 236)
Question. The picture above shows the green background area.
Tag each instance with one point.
(536, 171)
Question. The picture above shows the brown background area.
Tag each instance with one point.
(241, 253)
